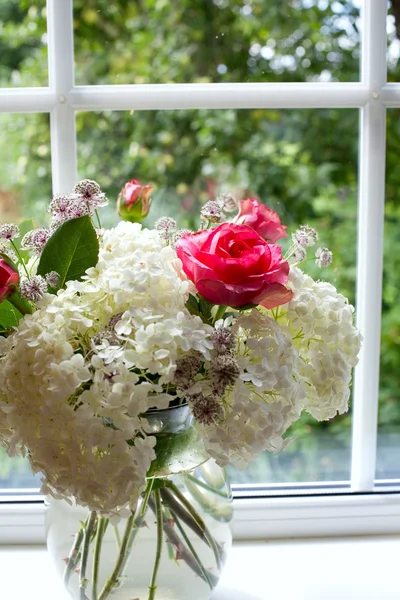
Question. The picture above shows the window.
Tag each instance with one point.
(289, 101)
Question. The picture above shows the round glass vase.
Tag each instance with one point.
(173, 548)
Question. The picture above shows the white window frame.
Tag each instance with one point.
(362, 506)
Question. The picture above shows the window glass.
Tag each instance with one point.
(24, 191)
(23, 43)
(192, 41)
(303, 164)
(388, 457)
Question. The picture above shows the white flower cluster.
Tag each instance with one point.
(321, 324)
(78, 373)
(301, 361)
(265, 400)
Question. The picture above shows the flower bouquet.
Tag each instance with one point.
(136, 363)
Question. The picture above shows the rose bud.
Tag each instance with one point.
(261, 218)
(133, 203)
(9, 278)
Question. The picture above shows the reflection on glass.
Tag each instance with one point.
(216, 41)
(388, 457)
(23, 43)
(303, 164)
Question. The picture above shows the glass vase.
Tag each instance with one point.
(175, 545)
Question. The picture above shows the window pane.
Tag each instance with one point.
(393, 41)
(186, 41)
(301, 163)
(23, 43)
(24, 191)
(388, 457)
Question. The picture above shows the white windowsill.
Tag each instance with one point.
(362, 568)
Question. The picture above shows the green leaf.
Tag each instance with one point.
(72, 249)
(192, 305)
(9, 315)
(24, 227)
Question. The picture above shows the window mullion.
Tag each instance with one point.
(61, 81)
(218, 95)
(372, 152)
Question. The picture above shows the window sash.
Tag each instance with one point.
(372, 95)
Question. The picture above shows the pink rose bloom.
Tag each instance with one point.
(261, 218)
(133, 202)
(8, 279)
(232, 265)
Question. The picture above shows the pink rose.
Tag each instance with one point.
(8, 279)
(232, 265)
(134, 201)
(261, 218)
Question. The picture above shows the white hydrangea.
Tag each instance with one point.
(267, 398)
(321, 323)
(72, 376)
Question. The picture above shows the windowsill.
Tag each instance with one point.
(319, 569)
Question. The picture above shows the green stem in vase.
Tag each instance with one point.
(117, 536)
(74, 555)
(174, 540)
(198, 520)
(184, 516)
(147, 493)
(85, 553)
(192, 550)
(131, 530)
(101, 529)
(160, 527)
(205, 486)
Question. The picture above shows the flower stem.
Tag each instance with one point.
(207, 487)
(117, 536)
(101, 529)
(17, 252)
(219, 313)
(85, 553)
(160, 524)
(192, 550)
(73, 555)
(131, 529)
(184, 554)
(188, 519)
(198, 520)
(147, 495)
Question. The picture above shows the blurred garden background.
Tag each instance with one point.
(302, 163)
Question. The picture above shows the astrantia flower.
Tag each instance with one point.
(165, 227)
(36, 239)
(212, 212)
(9, 231)
(206, 410)
(33, 288)
(90, 192)
(298, 255)
(323, 257)
(53, 279)
(223, 372)
(305, 236)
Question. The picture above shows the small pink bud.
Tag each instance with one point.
(134, 201)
